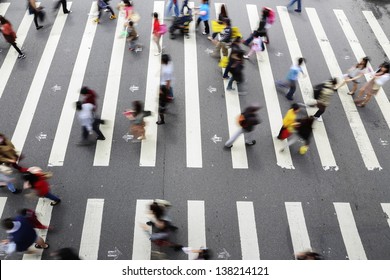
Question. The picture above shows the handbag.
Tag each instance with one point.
(284, 133)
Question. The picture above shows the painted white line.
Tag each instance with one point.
(90, 237)
(196, 226)
(12, 54)
(298, 230)
(103, 148)
(271, 97)
(149, 145)
(61, 139)
(3, 200)
(233, 110)
(349, 231)
(381, 98)
(30, 105)
(3, 8)
(386, 209)
(358, 130)
(248, 231)
(43, 211)
(193, 134)
(141, 243)
(319, 132)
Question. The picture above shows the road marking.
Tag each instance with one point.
(358, 130)
(233, 110)
(386, 209)
(248, 231)
(381, 98)
(30, 105)
(103, 148)
(298, 230)
(271, 98)
(90, 237)
(141, 242)
(193, 131)
(61, 139)
(196, 226)
(319, 132)
(149, 145)
(3, 200)
(349, 231)
(43, 210)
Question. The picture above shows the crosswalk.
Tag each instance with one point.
(195, 135)
(250, 227)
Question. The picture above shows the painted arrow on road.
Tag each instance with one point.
(216, 139)
(211, 89)
(127, 137)
(41, 136)
(133, 88)
(209, 51)
(114, 254)
(56, 88)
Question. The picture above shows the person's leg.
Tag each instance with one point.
(84, 133)
(299, 5)
(161, 118)
(176, 9)
(99, 13)
(16, 48)
(234, 137)
(95, 127)
(292, 89)
(64, 9)
(227, 69)
(354, 88)
(36, 20)
(249, 40)
(113, 16)
(320, 111)
(248, 138)
(51, 196)
(291, 3)
(225, 51)
(206, 27)
(230, 84)
(41, 242)
(198, 22)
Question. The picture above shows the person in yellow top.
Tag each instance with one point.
(289, 122)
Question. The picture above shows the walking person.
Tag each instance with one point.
(247, 121)
(35, 179)
(299, 5)
(162, 104)
(224, 40)
(291, 79)
(175, 5)
(88, 122)
(327, 90)
(236, 70)
(235, 49)
(63, 3)
(21, 235)
(303, 129)
(10, 35)
(6, 179)
(157, 33)
(257, 45)
(31, 216)
(132, 35)
(266, 21)
(166, 76)
(104, 5)
(89, 96)
(185, 5)
(372, 87)
(355, 73)
(36, 11)
(136, 116)
(204, 15)
(289, 122)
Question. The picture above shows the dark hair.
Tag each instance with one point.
(165, 58)
(301, 60)
(157, 210)
(333, 81)
(265, 13)
(67, 254)
(3, 20)
(295, 106)
(84, 90)
(7, 223)
(138, 107)
(386, 65)
(204, 254)
(364, 60)
(79, 105)
(256, 34)
(131, 23)
(227, 21)
(29, 177)
(237, 39)
(155, 15)
(223, 11)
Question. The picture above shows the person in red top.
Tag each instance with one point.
(89, 96)
(10, 35)
(35, 179)
(156, 33)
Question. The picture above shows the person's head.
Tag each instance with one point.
(301, 60)
(157, 210)
(333, 81)
(155, 15)
(84, 90)
(3, 20)
(137, 105)
(204, 254)
(295, 107)
(223, 11)
(205, 1)
(256, 34)
(79, 105)
(131, 23)
(29, 177)
(363, 63)
(227, 22)
(23, 211)
(385, 67)
(7, 223)
(165, 58)
(65, 254)
(265, 12)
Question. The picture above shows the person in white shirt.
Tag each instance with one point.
(355, 73)
(87, 121)
(166, 76)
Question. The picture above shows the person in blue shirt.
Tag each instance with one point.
(204, 14)
(291, 79)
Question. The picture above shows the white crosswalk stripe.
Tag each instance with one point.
(3, 200)
(361, 137)
(248, 231)
(196, 226)
(141, 242)
(90, 237)
(61, 139)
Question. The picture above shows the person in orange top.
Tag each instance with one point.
(10, 35)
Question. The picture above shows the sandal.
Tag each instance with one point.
(351, 93)
(40, 247)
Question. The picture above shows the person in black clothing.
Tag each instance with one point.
(225, 38)
(65, 254)
(236, 70)
(36, 11)
(304, 130)
(235, 49)
(63, 3)
(261, 29)
(247, 120)
(162, 104)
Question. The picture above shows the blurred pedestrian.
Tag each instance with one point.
(247, 121)
(33, 9)
(372, 87)
(326, 91)
(236, 69)
(8, 154)
(166, 76)
(63, 3)
(31, 216)
(89, 96)
(299, 5)
(289, 122)
(88, 122)
(257, 45)
(224, 40)
(303, 129)
(235, 50)
(266, 21)
(175, 5)
(131, 36)
(10, 35)
(136, 116)
(35, 179)
(291, 79)
(21, 235)
(6, 179)
(162, 104)
(204, 15)
(355, 73)
(308, 255)
(222, 17)
(157, 33)
(65, 254)
(104, 5)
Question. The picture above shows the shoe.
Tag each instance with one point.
(298, 11)
(226, 77)
(39, 27)
(289, 98)
(101, 138)
(160, 122)
(67, 12)
(54, 203)
(210, 38)
(319, 119)
(97, 20)
(40, 247)
(245, 56)
(157, 53)
(351, 93)
(204, 33)
(251, 143)
(17, 191)
(361, 104)
(228, 147)
(113, 17)
(150, 223)
(22, 56)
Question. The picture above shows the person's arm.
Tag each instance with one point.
(33, 4)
